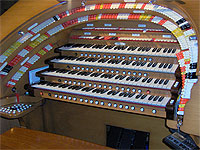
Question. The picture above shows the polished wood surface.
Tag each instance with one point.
(191, 122)
(20, 138)
(20, 13)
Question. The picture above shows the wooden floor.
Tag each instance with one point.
(20, 138)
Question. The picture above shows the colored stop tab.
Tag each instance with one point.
(181, 109)
(180, 55)
(17, 95)
(181, 105)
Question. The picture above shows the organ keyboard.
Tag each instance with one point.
(114, 75)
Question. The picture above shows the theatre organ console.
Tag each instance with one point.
(132, 56)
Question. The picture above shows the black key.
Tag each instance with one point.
(74, 87)
(84, 89)
(160, 99)
(104, 60)
(43, 82)
(165, 50)
(124, 62)
(145, 79)
(94, 59)
(48, 83)
(66, 58)
(133, 78)
(148, 49)
(88, 89)
(55, 84)
(126, 94)
(134, 63)
(154, 64)
(118, 61)
(169, 50)
(98, 90)
(68, 44)
(116, 47)
(132, 48)
(156, 98)
(161, 65)
(166, 82)
(121, 94)
(101, 46)
(78, 87)
(138, 96)
(127, 79)
(139, 63)
(165, 66)
(122, 77)
(102, 76)
(88, 59)
(87, 73)
(174, 50)
(83, 58)
(65, 71)
(72, 72)
(143, 96)
(156, 81)
(87, 46)
(103, 91)
(159, 49)
(139, 49)
(106, 47)
(149, 80)
(95, 90)
(97, 74)
(112, 61)
(100, 60)
(110, 92)
(151, 97)
(170, 66)
(138, 78)
(92, 74)
(144, 49)
(72, 58)
(115, 92)
(143, 63)
(63, 85)
(131, 95)
(154, 50)
(111, 76)
(70, 87)
(128, 62)
(110, 47)
(149, 65)
(161, 81)
(117, 77)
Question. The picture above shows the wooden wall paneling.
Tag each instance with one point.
(191, 121)
(89, 123)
